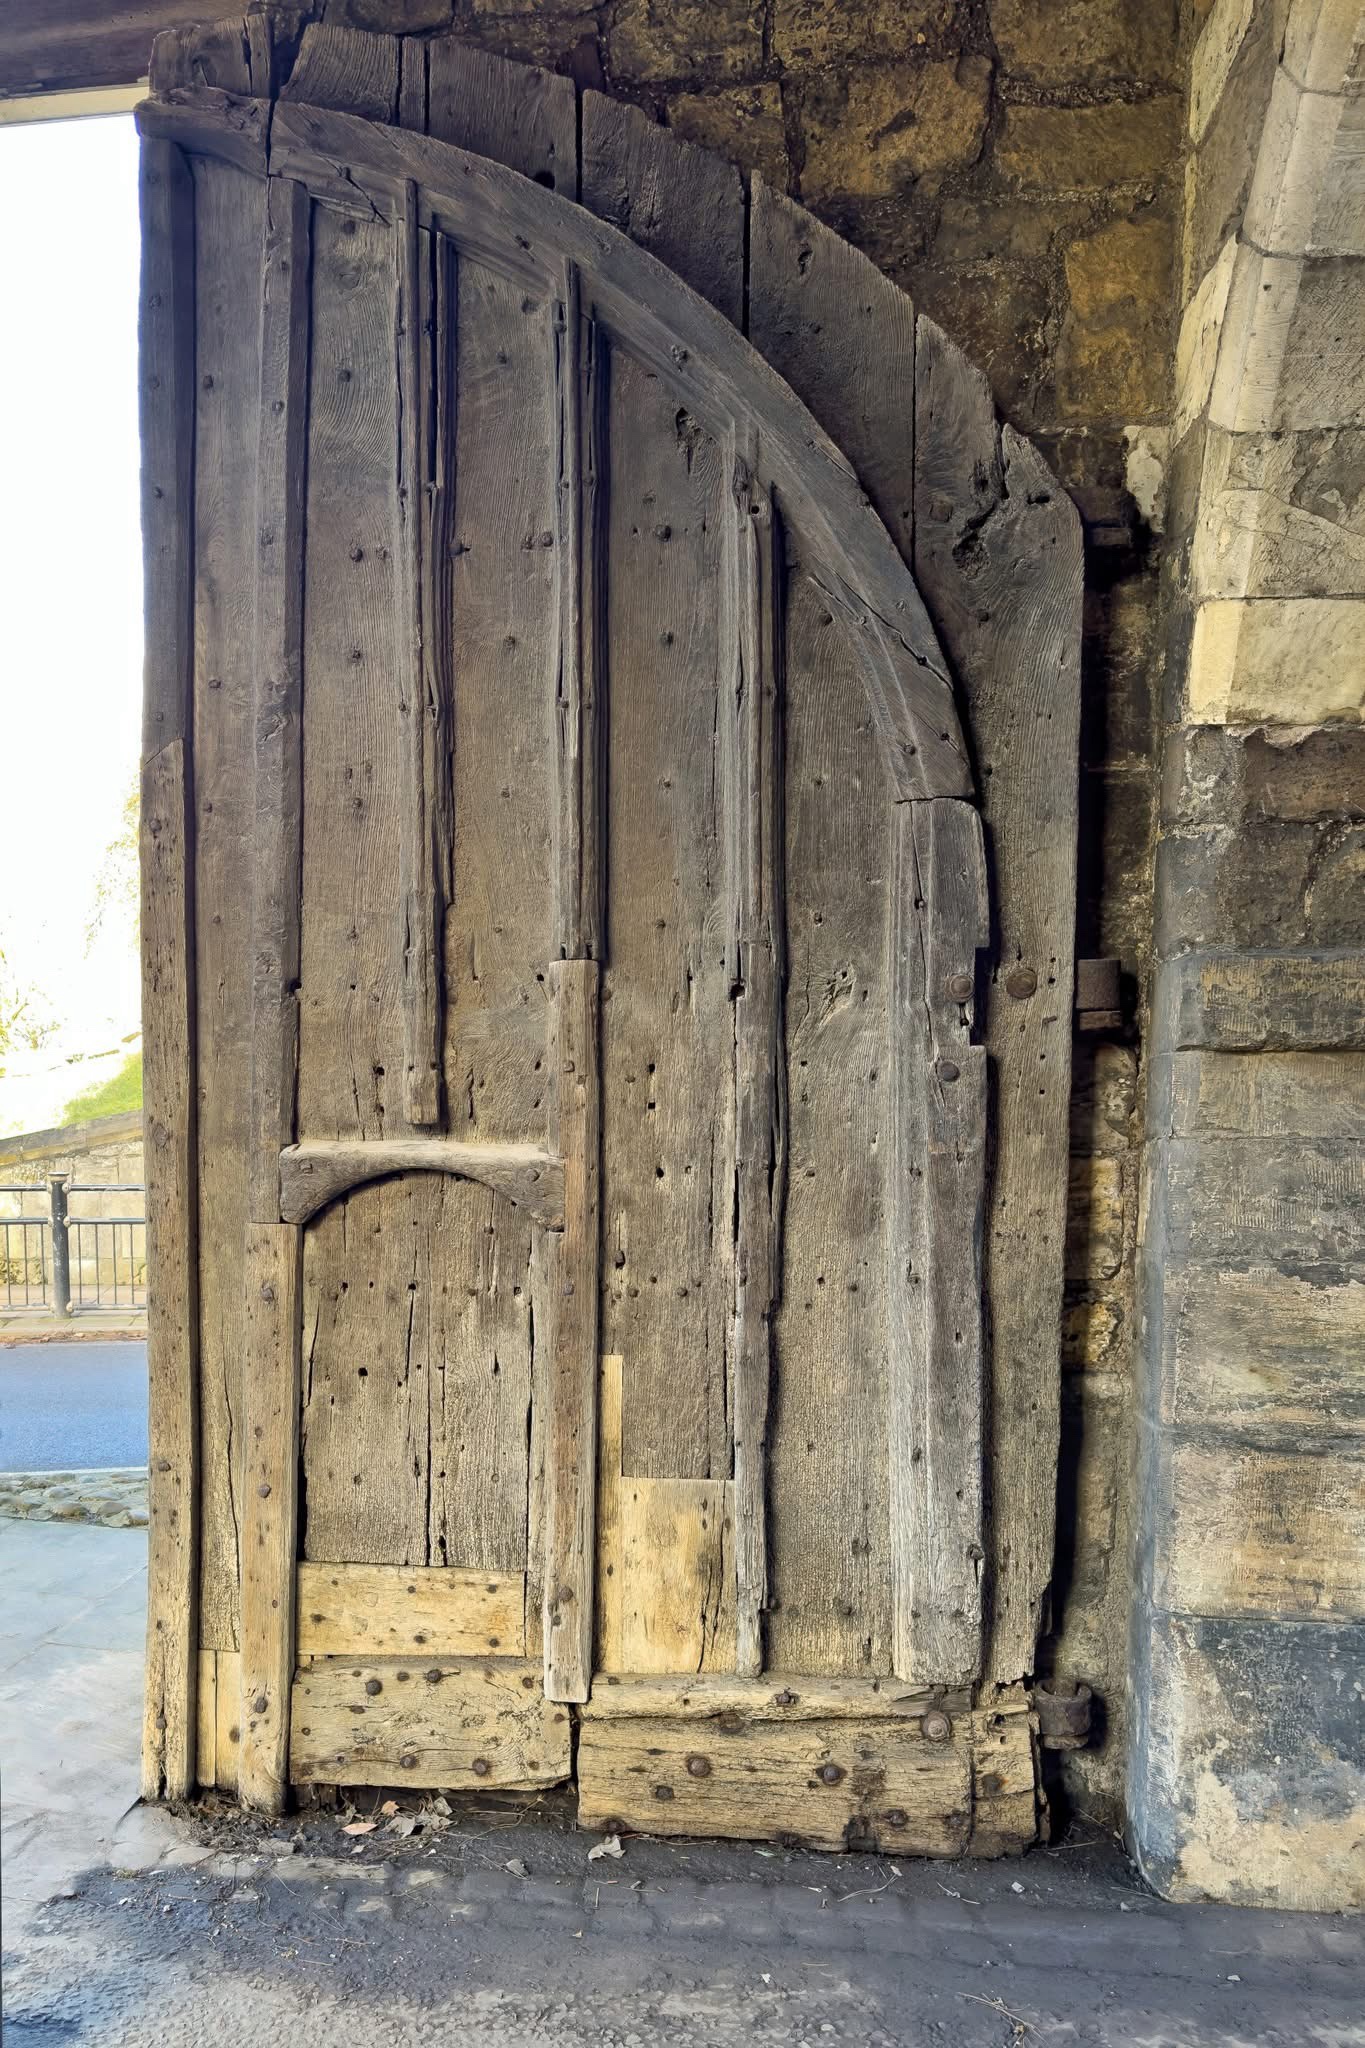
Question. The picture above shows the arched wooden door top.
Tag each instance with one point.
(518, 227)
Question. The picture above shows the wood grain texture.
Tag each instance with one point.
(665, 1561)
(278, 824)
(270, 1510)
(418, 1360)
(518, 114)
(752, 638)
(313, 1174)
(684, 204)
(777, 1696)
(165, 386)
(998, 556)
(378, 1610)
(346, 69)
(504, 600)
(843, 336)
(830, 1784)
(571, 1412)
(488, 208)
(462, 1725)
(219, 1704)
(172, 1253)
(422, 350)
(668, 1040)
(939, 920)
(229, 235)
(580, 382)
(829, 1514)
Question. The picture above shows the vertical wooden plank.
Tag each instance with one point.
(419, 349)
(518, 114)
(580, 370)
(206, 1707)
(277, 838)
(753, 803)
(347, 69)
(571, 1419)
(683, 204)
(938, 1124)
(269, 1510)
(843, 336)
(998, 557)
(166, 337)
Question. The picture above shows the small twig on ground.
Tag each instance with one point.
(1020, 2024)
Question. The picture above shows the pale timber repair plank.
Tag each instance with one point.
(167, 367)
(378, 1610)
(271, 1507)
(463, 1724)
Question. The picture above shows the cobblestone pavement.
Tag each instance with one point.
(490, 1925)
(114, 1500)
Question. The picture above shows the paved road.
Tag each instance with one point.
(72, 1406)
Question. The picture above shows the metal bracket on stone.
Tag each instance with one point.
(1099, 999)
(1063, 1709)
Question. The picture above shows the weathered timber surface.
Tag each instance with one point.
(997, 552)
(839, 1782)
(1247, 1529)
(665, 1562)
(668, 1031)
(418, 1347)
(843, 336)
(752, 753)
(311, 1175)
(517, 114)
(230, 225)
(270, 1510)
(939, 921)
(423, 352)
(219, 1734)
(282, 420)
(1264, 1002)
(166, 385)
(505, 603)
(777, 1696)
(426, 1721)
(683, 204)
(386, 1611)
(345, 69)
(172, 1360)
(829, 1516)
(571, 1391)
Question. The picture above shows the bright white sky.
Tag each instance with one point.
(70, 585)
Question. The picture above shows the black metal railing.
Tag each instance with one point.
(67, 1262)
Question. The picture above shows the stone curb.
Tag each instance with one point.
(112, 1499)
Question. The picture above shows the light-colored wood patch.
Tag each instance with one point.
(395, 1722)
(219, 1732)
(833, 1784)
(778, 1696)
(352, 1610)
(665, 1574)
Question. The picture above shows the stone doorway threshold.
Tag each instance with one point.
(136, 1926)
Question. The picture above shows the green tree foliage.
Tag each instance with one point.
(116, 884)
(120, 1092)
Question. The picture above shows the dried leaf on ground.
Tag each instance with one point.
(516, 1866)
(360, 1827)
(609, 1846)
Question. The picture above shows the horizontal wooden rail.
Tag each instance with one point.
(315, 1173)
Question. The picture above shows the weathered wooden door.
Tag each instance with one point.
(564, 894)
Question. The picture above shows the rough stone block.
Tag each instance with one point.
(1084, 42)
(742, 123)
(1001, 319)
(1213, 775)
(654, 40)
(1308, 191)
(1308, 1001)
(1103, 1096)
(1238, 886)
(869, 134)
(1278, 661)
(1115, 341)
(1281, 515)
(1213, 56)
(1088, 149)
(1323, 47)
(808, 34)
(1114, 907)
(1227, 154)
(1229, 1801)
(1197, 345)
(1095, 1219)
(1243, 1530)
(391, 17)
(1118, 672)
(1093, 1334)
(1265, 1201)
(1261, 1346)
(1261, 1095)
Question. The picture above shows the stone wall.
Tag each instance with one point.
(1248, 1773)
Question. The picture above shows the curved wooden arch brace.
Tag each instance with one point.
(316, 1172)
(519, 227)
